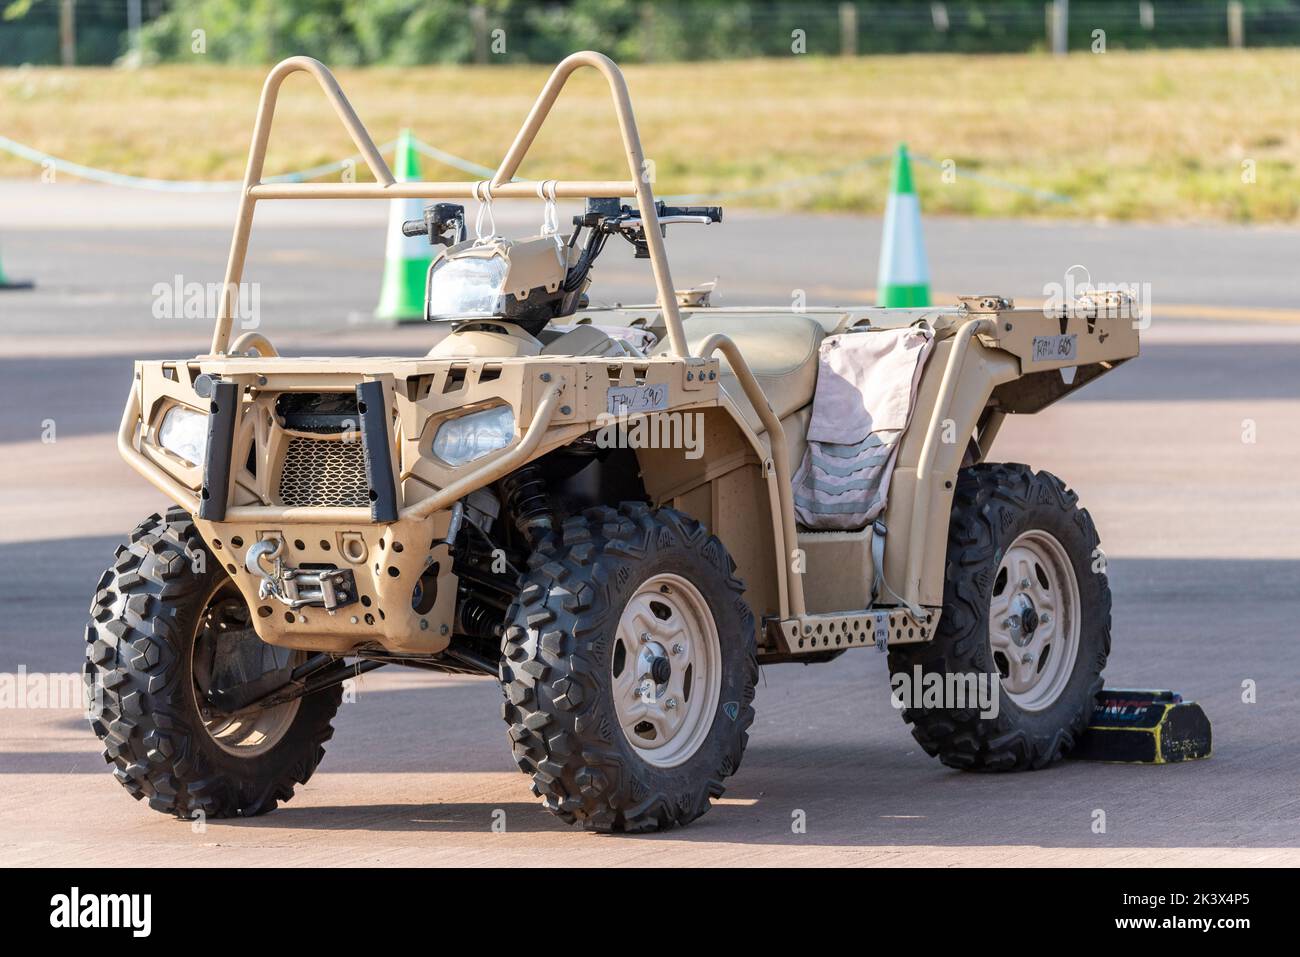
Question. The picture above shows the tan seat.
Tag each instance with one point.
(781, 350)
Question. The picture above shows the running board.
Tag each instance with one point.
(814, 634)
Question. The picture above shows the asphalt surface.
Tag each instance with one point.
(1187, 458)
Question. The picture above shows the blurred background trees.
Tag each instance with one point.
(406, 32)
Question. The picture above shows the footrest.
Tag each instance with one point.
(1133, 726)
(835, 631)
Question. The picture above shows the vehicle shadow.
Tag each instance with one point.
(769, 805)
(873, 794)
(829, 762)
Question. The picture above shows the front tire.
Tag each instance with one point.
(164, 620)
(629, 668)
(1026, 606)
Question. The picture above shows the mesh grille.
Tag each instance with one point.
(318, 472)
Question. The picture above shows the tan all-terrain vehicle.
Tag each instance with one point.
(488, 509)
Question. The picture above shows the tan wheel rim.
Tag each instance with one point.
(255, 732)
(1034, 620)
(666, 670)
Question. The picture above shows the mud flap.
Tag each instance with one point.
(1133, 726)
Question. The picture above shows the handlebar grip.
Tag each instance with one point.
(415, 227)
(714, 213)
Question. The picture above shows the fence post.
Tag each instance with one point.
(648, 45)
(272, 39)
(479, 25)
(939, 17)
(68, 32)
(133, 19)
(1058, 26)
(1147, 15)
(1236, 25)
(848, 29)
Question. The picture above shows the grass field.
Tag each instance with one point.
(1135, 136)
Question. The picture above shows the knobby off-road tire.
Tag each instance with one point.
(586, 587)
(145, 616)
(1003, 514)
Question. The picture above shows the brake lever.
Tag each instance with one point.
(443, 223)
(669, 221)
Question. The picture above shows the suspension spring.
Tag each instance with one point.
(478, 619)
(525, 494)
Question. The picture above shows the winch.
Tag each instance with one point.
(327, 586)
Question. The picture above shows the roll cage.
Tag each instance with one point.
(503, 185)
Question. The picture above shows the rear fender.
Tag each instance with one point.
(1013, 365)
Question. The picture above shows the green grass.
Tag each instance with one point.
(1132, 136)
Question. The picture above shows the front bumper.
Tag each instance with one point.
(403, 588)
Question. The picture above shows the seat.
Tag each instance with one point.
(585, 340)
(782, 352)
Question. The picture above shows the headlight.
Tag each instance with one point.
(467, 287)
(184, 432)
(469, 437)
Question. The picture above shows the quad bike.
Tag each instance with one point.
(456, 512)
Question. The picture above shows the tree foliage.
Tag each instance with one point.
(406, 32)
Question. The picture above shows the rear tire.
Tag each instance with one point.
(150, 611)
(629, 667)
(1002, 515)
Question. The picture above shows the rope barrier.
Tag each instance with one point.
(110, 178)
(457, 162)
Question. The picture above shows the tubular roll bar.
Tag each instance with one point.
(499, 186)
(780, 464)
(503, 186)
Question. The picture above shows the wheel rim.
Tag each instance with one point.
(1034, 620)
(225, 619)
(666, 670)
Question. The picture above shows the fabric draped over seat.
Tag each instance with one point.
(866, 388)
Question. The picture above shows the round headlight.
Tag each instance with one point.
(469, 437)
(184, 433)
(466, 287)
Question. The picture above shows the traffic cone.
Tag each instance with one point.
(904, 278)
(6, 283)
(407, 258)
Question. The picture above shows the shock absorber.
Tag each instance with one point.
(478, 619)
(525, 495)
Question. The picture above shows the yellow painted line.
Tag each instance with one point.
(848, 297)
(1233, 313)
(1173, 310)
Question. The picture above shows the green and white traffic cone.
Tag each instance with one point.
(904, 278)
(406, 258)
(6, 283)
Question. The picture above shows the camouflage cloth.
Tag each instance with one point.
(866, 386)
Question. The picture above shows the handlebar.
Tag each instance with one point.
(443, 223)
(712, 214)
(635, 222)
(440, 216)
(609, 214)
(606, 216)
